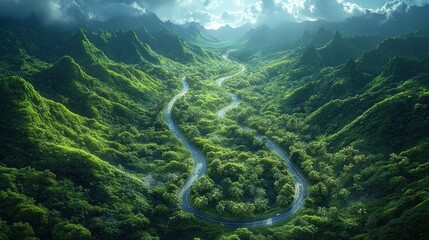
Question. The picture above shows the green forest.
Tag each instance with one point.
(139, 128)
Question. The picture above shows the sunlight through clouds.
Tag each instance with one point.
(216, 13)
(209, 13)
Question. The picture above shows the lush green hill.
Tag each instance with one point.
(174, 47)
(413, 47)
(28, 35)
(337, 50)
(85, 152)
(124, 47)
(358, 130)
(52, 182)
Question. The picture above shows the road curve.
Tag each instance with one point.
(200, 168)
(235, 102)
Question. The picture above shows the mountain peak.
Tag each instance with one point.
(338, 42)
(67, 68)
(321, 38)
(227, 26)
(310, 55)
(400, 67)
(16, 88)
(80, 36)
(83, 50)
(350, 68)
(263, 27)
(337, 36)
(351, 65)
(322, 31)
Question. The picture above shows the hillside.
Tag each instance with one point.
(304, 123)
(65, 181)
(85, 137)
(358, 129)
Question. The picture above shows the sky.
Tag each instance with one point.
(210, 13)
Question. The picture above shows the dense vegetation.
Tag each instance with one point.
(84, 150)
(85, 154)
(358, 131)
(244, 179)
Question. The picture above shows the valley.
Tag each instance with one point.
(200, 168)
(133, 127)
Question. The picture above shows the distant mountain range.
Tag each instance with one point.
(127, 39)
(386, 24)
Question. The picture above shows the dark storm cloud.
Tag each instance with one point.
(77, 10)
(151, 4)
(23, 8)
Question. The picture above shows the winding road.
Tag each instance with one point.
(200, 168)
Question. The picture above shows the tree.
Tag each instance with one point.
(261, 204)
(21, 230)
(238, 209)
(215, 195)
(35, 215)
(201, 202)
(244, 234)
(69, 231)
(344, 194)
(220, 207)
(236, 192)
(230, 237)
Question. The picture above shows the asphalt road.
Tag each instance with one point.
(235, 102)
(200, 168)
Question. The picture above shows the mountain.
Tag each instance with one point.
(83, 50)
(413, 47)
(154, 32)
(403, 20)
(361, 98)
(81, 125)
(85, 151)
(386, 23)
(337, 50)
(140, 39)
(125, 47)
(228, 33)
(28, 35)
(395, 114)
(353, 115)
(260, 37)
(321, 37)
(48, 150)
(147, 20)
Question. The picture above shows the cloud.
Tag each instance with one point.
(212, 21)
(22, 8)
(211, 13)
(201, 17)
(106, 9)
(271, 12)
(215, 15)
(389, 8)
(335, 10)
(77, 10)
(416, 2)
